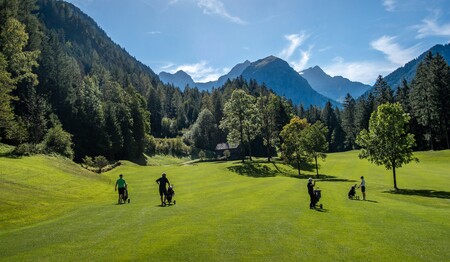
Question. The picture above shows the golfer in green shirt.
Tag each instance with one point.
(122, 185)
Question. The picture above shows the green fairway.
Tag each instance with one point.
(53, 210)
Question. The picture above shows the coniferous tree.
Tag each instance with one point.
(382, 92)
(441, 80)
(328, 117)
(348, 122)
(424, 99)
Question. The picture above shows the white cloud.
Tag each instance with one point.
(394, 52)
(304, 58)
(431, 27)
(200, 72)
(153, 32)
(216, 7)
(295, 40)
(361, 71)
(389, 5)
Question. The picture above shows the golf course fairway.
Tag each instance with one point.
(51, 209)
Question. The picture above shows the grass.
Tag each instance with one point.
(226, 211)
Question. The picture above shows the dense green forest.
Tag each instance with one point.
(67, 88)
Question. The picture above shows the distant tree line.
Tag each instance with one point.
(64, 82)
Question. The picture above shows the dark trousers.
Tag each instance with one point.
(312, 202)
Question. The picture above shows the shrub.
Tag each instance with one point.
(58, 141)
(171, 146)
(227, 154)
(88, 161)
(202, 154)
(25, 149)
(100, 161)
(150, 145)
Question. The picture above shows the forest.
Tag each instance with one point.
(67, 88)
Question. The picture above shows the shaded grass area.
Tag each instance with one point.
(224, 214)
(421, 192)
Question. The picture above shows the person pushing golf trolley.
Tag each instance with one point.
(314, 194)
(122, 185)
(163, 182)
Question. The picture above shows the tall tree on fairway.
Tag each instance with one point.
(387, 141)
(314, 142)
(240, 119)
(293, 146)
(266, 106)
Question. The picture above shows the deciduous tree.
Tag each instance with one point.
(387, 141)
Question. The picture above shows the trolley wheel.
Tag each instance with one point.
(128, 200)
(321, 206)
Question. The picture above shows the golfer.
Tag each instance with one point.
(122, 185)
(363, 187)
(311, 184)
(163, 182)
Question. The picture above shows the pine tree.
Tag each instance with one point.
(424, 97)
(348, 122)
(441, 80)
(382, 92)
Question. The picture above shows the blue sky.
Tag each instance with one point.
(358, 39)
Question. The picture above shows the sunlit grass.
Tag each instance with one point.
(229, 212)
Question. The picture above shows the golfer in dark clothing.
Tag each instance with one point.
(311, 184)
(163, 181)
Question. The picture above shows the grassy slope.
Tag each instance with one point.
(221, 215)
(39, 188)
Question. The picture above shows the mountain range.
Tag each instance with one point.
(408, 71)
(336, 87)
(279, 76)
(311, 86)
(274, 72)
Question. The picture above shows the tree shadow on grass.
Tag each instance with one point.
(421, 192)
(321, 178)
(253, 170)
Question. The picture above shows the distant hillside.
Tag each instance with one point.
(408, 71)
(335, 87)
(180, 79)
(285, 81)
(89, 44)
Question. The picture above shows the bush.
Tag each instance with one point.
(202, 154)
(25, 149)
(171, 146)
(88, 161)
(58, 141)
(100, 161)
(227, 154)
(150, 145)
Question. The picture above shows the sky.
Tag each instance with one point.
(357, 39)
